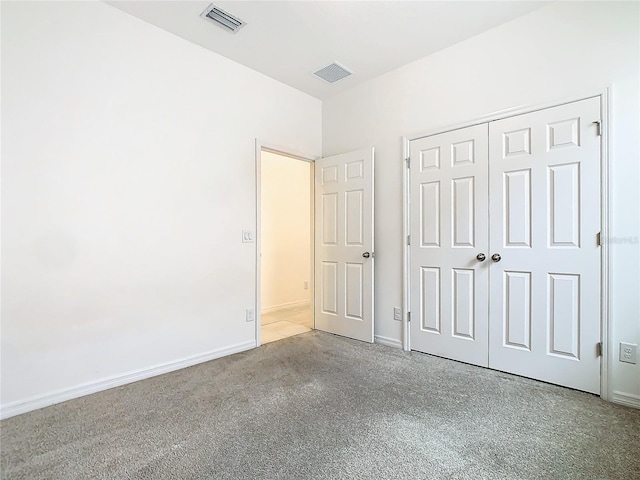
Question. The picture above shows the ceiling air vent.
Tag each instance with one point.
(332, 73)
(222, 18)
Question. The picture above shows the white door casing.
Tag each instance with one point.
(545, 218)
(344, 247)
(449, 228)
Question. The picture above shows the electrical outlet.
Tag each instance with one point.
(306, 285)
(628, 352)
(250, 316)
(397, 314)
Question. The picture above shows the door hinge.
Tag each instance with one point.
(409, 317)
(597, 124)
(599, 349)
(599, 239)
(408, 160)
(408, 239)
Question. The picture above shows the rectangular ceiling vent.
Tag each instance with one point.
(332, 73)
(222, 18)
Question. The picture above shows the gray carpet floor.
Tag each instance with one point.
(320, 406)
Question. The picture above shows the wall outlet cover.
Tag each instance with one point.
(397, 314)
(628, 352)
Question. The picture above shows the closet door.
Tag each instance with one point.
(449, 235)
(545, 218)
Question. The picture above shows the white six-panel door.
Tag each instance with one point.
(449, 229)
(545, 217)
(344, 244)
(529, 189)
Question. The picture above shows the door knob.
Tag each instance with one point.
(366, 254)
(481, 257)
(496, 257)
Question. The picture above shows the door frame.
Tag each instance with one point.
(605, 213)
(261, 146)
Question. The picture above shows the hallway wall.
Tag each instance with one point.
(286, 231)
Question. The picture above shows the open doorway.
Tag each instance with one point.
(286, 246)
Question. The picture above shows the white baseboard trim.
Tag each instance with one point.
(46, 400)
(627, 399)
(389, 342)
(282, 306)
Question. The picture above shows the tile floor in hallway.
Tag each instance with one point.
(286, 322)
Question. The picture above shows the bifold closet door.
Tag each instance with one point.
(449, 230)
(544, 171)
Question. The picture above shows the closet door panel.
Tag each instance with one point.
(449, 225)
(544, 189)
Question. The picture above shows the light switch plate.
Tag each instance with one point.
(247, 236)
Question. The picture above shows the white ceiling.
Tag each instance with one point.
(289, 40)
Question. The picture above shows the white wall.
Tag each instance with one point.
(285, 219)
(128, 174)
(559, 51)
